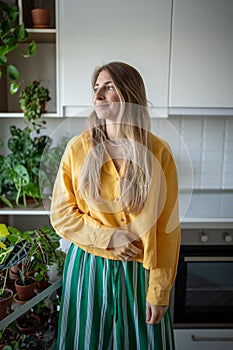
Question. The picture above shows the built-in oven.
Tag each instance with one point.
(202, 299)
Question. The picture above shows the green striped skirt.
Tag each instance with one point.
(103, 306)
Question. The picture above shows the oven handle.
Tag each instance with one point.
(208, 258)
(196, 338)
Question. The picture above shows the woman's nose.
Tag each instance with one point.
(99, 94)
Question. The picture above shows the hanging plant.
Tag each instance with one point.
(10, 38)
(32, 100)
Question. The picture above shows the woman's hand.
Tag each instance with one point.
(125, 245)
(154, 313)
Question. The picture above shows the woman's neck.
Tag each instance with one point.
(111, 130)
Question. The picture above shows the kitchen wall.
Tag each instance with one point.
(210, 145)
(208, 140)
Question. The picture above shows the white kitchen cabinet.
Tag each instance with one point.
(201, 76)
(204, 339)
(96, 32)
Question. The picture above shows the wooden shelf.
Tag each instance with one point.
(42, 36)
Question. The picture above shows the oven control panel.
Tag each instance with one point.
(207, 237)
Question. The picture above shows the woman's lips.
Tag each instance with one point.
(105, 105)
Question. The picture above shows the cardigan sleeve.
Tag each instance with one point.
(68, 219)
(167, 236)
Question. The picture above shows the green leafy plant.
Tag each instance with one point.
(4, 181)
(10, 38)
(32, 101)
(35, 247)
(13, 248)
(22, 175)
(22, 164)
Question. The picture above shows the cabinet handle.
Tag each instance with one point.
(208, 258)
(196, 338)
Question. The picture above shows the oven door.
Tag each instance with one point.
(203, 295)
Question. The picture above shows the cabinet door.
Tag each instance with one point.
(96, 32)
(204, 339)
(202, 54)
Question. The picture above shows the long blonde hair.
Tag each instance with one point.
(133, 127)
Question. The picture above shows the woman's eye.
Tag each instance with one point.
(110, 87)
(106, 88)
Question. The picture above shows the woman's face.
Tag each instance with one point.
(106, 99)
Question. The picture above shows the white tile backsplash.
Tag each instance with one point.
(227, 179)
(212, 157)
(210, 145)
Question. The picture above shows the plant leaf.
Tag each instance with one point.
(21, 177)
(13, 13)
(14, 87)
(20, 33)
(18, 254)
(3, 231)
(31, 49)
(3, 60)
(13, 72)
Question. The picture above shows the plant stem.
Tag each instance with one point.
(4, 284)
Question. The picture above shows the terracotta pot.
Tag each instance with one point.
(13, 271)
(11, 284)
(42, 285)
(40, 18)
(5, 303)
(25, 292)
(28, 323)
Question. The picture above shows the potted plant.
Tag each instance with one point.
(25, 288)
(32, 339)
(40, 16)
(44, 243)
(9, 41)
(28, 323)
(32, 101)
(6, 298)
(22, 165)
(12, 249)
(8, 337)
(41, 276)
(42, 310)
(34, 248)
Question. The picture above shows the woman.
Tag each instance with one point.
(116, 199)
